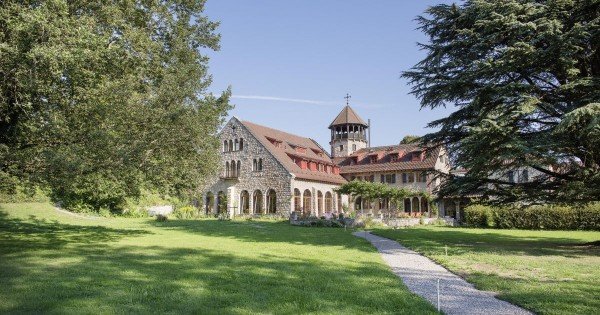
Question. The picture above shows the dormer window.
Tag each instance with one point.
(275, 142)
(417, 156)
(299, 149)
(318, 152)
(373, 159)
(394, 157)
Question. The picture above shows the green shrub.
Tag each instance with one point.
(186, 212)
(479, 215)
(549, 217)
(162, 217)
(20, 193)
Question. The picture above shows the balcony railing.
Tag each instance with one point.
(351, 135)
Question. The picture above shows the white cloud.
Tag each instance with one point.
(282, 99)
(302, 101)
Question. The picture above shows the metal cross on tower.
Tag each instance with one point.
(347, 97)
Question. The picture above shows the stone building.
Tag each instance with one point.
(404, 166)
(264, 170)
(268, 171)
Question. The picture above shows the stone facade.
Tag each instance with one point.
(257, 183)
(257, 175)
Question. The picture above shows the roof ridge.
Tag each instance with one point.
(279, 130)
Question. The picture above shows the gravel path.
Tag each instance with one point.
(420, 275)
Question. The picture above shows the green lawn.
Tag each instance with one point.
(53, 262)
(548, 272)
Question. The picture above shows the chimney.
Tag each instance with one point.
(369, 129)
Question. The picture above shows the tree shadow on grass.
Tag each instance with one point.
(93, 275)
(551, 296)
(270, 232)
(18, 235)
(462, 241)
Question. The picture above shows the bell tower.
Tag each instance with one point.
(348, 132)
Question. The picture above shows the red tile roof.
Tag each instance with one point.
(384, 159)
(287, 150)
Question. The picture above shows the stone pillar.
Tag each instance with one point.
(420, 209)
(457, 210)
(313, 201)
(264, 202)
(232, 199)
(302, 201)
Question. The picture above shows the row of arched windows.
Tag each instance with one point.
(233, 145)
(411, 205)
(257, 202)
(303, 202)
(233, 168)
(257, 165)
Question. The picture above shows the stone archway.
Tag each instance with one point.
(271, 201)
(245, 202)
(319, 203)
(328, 202)
(257, 201)
(209, 203)
(221, 202)
(307, 202)
(297, 200)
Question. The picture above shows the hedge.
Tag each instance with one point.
(543, 217)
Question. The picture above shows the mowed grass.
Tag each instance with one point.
(548, 272)
(52, 262)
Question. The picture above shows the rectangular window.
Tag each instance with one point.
(525, 176)
(382, 178)
(411, 177)
(511, 176)
(404, 178)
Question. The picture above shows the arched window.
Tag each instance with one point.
(511, 176)
(254, 165)
(239, 167)
(260, 164)
(297, 200)
(328, 202)
(407, 205)
(230, 145)
(241, 144)
(245, 202)
(209, 203)
(319, 203)
(415, 204)
(339, 203)
(271, 201)
(424, 205)
(354, 147)
(307, 201)
(525, 176)
(221, 202)
(358, 204)
(233, 169)
(225, 146)
(257, 200)
(236, 145)
(227, 169)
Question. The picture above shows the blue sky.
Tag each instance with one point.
(290, 64)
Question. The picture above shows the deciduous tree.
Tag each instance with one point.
(101, 99)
